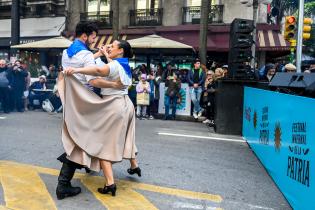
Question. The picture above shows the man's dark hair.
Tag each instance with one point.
(85, 28)
(197, 60)
(18, 61)
(128, 53)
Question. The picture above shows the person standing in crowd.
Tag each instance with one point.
(143, 96)
(143, 69)
(18, 85)
(152, 108)
(207, 98)
(312, 68)
(173, 85)
(79, 55)
(204, 68)
(157, 81)
(52, 73)
(118, 114)
(290, 68)
(4, 86)
(183, 76)
(219, 73)
(196, 79)
(26, 90)
(159, 69)
(169, 72)
(225, 70)
(270, 72)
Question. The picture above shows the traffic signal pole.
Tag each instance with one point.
(300, 36)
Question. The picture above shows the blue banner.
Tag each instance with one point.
(280, 129)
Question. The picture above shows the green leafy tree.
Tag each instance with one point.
(289, 7)
(309, 11)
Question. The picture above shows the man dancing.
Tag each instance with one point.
(79, 55)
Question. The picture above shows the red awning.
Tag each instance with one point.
(269, 40)
(104, 40)
(269, 37)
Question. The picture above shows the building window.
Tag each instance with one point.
(193, 3)
(147, 13)
(98, 6)
(192, 12)
(147, 4)
(197, 3)
(98, 11)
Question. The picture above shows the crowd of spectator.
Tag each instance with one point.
(17, 93)
(201, 82)
(268, 71)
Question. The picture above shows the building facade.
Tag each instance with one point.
(174, 19)
(179, 20)
(38, 20)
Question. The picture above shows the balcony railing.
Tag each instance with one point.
(5, 2)
(192, 14)
(33, 9)
(102, 19)
(146, 17)
(36, 2)
(5, 8)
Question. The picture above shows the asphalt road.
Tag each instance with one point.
(185, 166)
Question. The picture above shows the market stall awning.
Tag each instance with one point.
(269, 40)
(157, 42)
(56, 42)
(104, 40)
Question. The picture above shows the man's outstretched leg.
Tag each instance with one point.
(64, 188)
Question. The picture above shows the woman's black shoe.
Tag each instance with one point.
(111, 188)
(134, 171)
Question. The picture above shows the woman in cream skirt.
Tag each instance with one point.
(105, 132)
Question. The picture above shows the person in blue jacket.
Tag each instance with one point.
(196, 79)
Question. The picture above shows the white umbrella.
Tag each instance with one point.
(157, 42)
(56, 42)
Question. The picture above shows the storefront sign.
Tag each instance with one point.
(183, 108)
(25, 41)
(280, 130)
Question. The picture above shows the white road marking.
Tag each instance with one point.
(259, 207)
(251, 206)
(201, 137)
(2, 118)
(182, 205)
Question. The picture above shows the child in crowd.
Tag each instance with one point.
(143, 98)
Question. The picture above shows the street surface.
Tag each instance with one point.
(184, 166)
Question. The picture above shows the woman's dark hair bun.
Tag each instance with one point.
(128, 52)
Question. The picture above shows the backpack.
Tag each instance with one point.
(47, 106)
